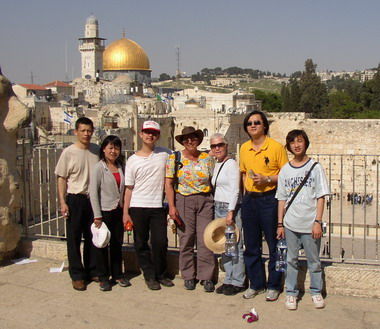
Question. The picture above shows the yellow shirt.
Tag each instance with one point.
(267, 161)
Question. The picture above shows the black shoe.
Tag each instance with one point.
(189, 284)
(152, 284)
(233, 290)
(166, 282)
(105, 286)
(208, 286)
(221, 289)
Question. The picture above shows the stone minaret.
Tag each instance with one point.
(92, 48)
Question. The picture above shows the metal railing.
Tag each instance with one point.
(351, 227)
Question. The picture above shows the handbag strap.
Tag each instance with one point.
(220, 169)
(177, 165)
(299, 187)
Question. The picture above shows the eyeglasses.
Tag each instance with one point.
(219, 145)
(255, 123)
(189, 138)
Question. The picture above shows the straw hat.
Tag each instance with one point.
(214, 237)
(190, 131)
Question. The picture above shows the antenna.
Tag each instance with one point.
(67, 78)
(178, 54)
(31, 77)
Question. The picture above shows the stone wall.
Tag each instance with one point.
(13, 114)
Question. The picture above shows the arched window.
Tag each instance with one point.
(205, 132)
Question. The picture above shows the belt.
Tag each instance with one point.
(261, 194)
(80, 194)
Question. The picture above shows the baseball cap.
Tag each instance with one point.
(153, 125)
(100, 236)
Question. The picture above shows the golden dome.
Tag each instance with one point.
(125, 55)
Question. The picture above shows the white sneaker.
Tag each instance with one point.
(318, 301)
(291, 303)
(251, 293)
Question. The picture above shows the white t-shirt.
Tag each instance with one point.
(75, 164)
(227, 184)
(303, 211)
(147, 176)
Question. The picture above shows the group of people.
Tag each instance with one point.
(357, 198)
(96, 189)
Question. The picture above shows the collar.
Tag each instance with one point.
(262, 148)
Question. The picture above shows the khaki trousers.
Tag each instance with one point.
(195, 211)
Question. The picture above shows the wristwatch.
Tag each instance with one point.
(318, 221)
(269, 180)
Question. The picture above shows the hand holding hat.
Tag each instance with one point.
(100, 236)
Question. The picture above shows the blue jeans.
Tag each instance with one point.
(234, 266)
(311, 246)
(260, 215)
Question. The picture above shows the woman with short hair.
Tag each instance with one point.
(227, 199)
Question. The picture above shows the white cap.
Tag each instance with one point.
(153, 125)
(100, 236)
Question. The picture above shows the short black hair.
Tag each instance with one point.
(84, 121)
(113, 140)
(293, 134)
(263, 117)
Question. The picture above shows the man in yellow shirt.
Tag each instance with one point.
(261, 159)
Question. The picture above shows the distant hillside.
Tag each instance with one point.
(266, 85)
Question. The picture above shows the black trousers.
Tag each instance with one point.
(112, 265)
(77, 225)
(153, 262)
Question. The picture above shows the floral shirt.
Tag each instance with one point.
(194, 177)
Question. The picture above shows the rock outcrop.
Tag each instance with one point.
(13, 116)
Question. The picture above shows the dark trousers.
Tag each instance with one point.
(77, 225)
(153, 262)
(112, 265)
(260, 215)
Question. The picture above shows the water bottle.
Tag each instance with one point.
(230, 245)
(282, 249)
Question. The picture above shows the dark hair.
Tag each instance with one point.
(84, 121)
(293, 134)
(113, 140)
(263, 117)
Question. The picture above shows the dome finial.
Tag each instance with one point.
(124, 33)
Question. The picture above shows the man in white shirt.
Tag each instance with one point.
(144, 180)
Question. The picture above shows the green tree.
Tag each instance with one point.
(313, 91)
(295, 95)
(341, 106)
(271, 102)
(163, 77)
(375, 104)
(286, 100)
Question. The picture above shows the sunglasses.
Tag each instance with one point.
(214, 146)
(255, 123)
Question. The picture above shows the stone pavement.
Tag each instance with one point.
(31, 297)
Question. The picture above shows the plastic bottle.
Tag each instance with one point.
(230, 245)
(282, 249)
(129, 227)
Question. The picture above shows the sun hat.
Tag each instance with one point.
(100, 236)
(214, 237)
(152, 125)
(190, 131)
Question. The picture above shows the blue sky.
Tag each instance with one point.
(270, 35)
